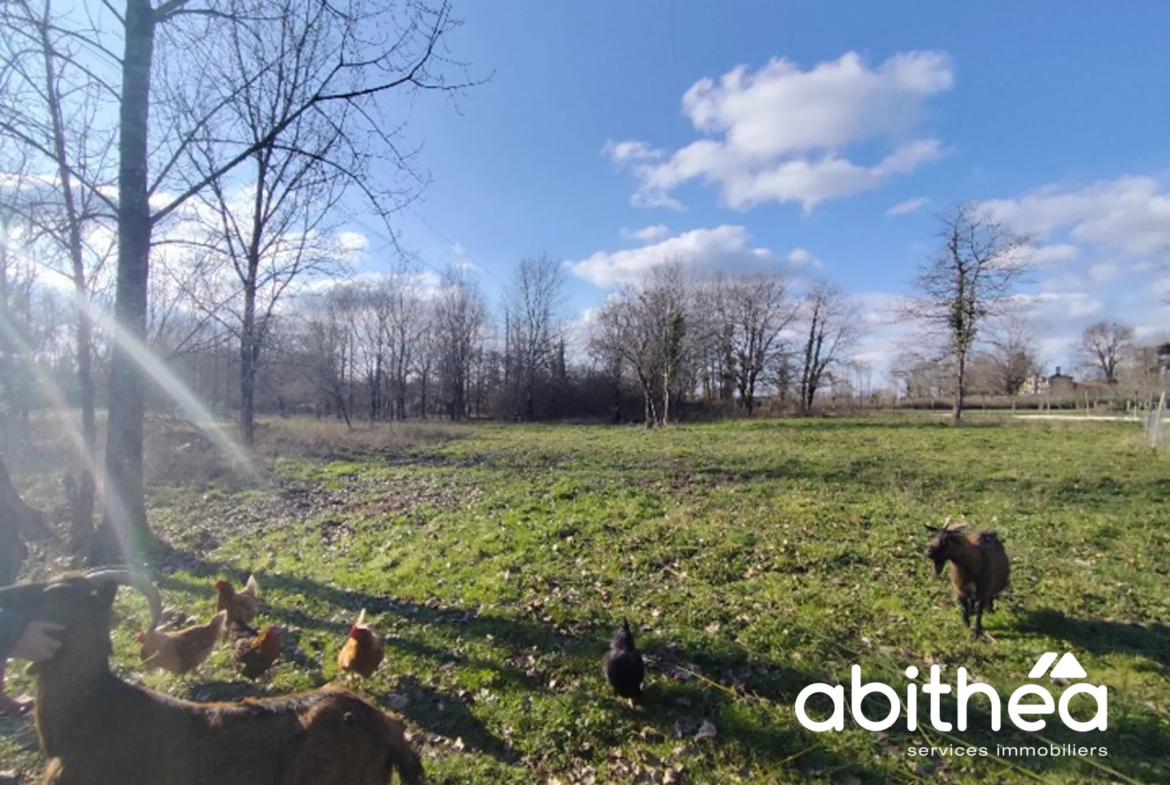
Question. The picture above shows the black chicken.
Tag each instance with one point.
(623, 665)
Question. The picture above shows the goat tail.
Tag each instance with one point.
(402, 755)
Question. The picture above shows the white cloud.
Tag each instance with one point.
(777, 134)
(352, 243)
(630, 150)
(883, 334)
(1151, 333)
(647, 234)
(811, 182)
(1040, 256)
(801, 257)
(1043, 255)
(458, 258)
(909, 206)
(1104, 242)
(1078, 304)
(723, 248)
(1104, 272)
(1131, 214)
(425, 283)
(656, 199)
(1060, 311)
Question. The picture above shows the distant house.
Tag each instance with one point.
(1155, 359)
(1059, 384)
(1036, 384)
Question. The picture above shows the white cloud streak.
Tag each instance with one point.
(777, 134)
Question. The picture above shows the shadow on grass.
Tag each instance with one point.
(747, 697)
(449, 715)
(745, 709)
(1151, 641)
(509, 674)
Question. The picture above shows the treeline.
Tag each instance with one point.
(411, 343)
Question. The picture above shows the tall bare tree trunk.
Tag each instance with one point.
(249, 355)
(249, 341)
(960, 391)
(648, 399)
(125, 515)
(423, 393)
(666, 399)
(81, 533)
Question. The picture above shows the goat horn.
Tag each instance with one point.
(136, 580)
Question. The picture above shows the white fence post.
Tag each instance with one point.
(1154, 422)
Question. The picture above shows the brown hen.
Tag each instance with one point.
(183, 650)
(363, 651)
(240, 605)
(256, 655)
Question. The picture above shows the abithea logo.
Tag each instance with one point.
(1017, 710)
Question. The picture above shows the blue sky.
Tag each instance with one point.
(1055, 113)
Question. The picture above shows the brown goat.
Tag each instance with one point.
(99, 730)
(979, 568)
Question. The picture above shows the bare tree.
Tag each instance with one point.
(374, 325)
(1102, 345)
(327, 344)
(532, 327)
(369, 48)
(665, 302)
(50, 113)
(273, 215)
(755, 313)
(621, 338)
(17, 279)
(270, 244)
(460, 314)
(645, 326)
(1013, 353)
(832, 323)
(407, 326)
(712, 333)
(968, 281)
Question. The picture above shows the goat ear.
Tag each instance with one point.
(930, 528)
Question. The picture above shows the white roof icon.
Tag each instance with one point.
(1068, 668)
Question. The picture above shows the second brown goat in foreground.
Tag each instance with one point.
(979, 567)
(97, 729)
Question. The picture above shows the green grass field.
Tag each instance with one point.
(751, 558)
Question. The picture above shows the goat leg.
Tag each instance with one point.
(965, 605)
(978, 618)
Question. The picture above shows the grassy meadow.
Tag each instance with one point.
(751, 558)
